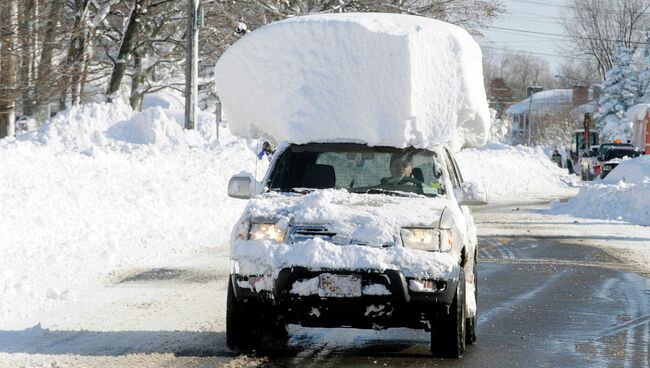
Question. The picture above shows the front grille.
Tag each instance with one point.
(302, 233)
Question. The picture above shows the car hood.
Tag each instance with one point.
(369, 219)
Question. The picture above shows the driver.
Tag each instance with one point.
(401, 169)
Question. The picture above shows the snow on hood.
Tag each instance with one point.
(356, 218)
(383, 79)
(363, 218)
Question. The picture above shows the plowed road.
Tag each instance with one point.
(553, 292)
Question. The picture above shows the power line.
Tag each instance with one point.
(565, 6)
(536, 53)
(558, 35)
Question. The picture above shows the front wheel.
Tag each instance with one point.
(470, 328)
(448, 333)
(242, 323)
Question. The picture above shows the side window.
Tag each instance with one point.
(455, 181)
(460, 175)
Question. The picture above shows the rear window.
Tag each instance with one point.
(620, 153)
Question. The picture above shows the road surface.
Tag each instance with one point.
(553, 292)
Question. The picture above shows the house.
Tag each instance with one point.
(544, 106)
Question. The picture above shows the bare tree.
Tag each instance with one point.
(126, 48)
(595, 25)
(8, 67)
(43, 90)
(554, 127)
(521, 70)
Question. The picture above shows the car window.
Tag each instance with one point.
(619, 153)
(357, 168)
(455, 181)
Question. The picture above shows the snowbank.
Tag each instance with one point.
(101, 188)
(515, 173)
(623, 195)
(384, 79)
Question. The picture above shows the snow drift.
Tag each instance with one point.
(383, 79)
(623, 195)
(515, 173)
(100, 188)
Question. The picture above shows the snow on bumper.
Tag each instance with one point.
(265, 259)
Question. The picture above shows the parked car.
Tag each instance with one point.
(348, 235)
(614, 156)
(592, 161)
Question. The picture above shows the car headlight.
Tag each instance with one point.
(427, 239)
(267, 232)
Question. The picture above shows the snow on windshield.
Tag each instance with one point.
(383, 79)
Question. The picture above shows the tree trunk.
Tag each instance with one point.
(77, 50)
(8, 68)
(44, 85)
(126, 49)
(137, 80)
(26, 83)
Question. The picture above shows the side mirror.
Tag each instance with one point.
(241, 186)
(472, 194)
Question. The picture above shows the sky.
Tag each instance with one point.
(522, 17)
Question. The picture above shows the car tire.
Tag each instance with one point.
(470, 323)
(252, 324)
(448, 333)
(242, 323)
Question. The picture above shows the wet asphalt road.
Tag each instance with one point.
(543, 302)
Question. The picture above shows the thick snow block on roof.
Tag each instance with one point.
(384, 79)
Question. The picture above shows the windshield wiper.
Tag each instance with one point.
(382, 191)
(301, 190)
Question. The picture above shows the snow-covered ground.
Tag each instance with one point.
(516, 173)
(100, 188)
(624, 195)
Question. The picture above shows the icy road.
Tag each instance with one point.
(553, 292)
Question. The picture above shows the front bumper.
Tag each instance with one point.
(402, 307)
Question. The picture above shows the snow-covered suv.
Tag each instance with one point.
(348, 235)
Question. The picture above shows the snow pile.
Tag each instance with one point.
(84, 128)
(623, 195)
(515, 172)
(383, 79)
(101, 188)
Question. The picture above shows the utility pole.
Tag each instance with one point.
(191, 64)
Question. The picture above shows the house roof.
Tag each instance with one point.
(544, 100)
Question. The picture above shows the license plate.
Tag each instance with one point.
(339, 286)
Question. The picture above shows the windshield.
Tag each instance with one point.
(619, 153)
(357, 168)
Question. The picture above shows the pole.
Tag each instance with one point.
(217, 110)
(191, 64)
(530, 117)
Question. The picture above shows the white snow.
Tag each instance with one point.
(375, 289)
(305, 287)
(637, 112)
(543, 101)
(383, 79)
(515, 173)
(101, 188)
(624, 195)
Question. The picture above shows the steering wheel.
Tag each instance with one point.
(408, 179)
